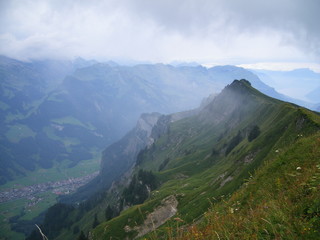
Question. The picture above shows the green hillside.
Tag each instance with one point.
(203, 159)
(280, 201)
(246, 166)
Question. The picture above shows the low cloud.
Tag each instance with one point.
(202, 30)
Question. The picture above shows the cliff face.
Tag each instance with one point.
(120, 156)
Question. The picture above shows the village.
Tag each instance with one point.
(59, 187)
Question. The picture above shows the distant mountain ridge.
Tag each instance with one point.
(78, 108)
(314, 95)
(298, 82)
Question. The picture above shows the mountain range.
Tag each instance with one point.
(57, 113)
(299, 83)
(242, 166)
(62, 113)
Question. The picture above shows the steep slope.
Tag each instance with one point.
(51, 123)
(23, 87)
(198, 159)
(91, 108)
(280, 201)
(204, 157)
(78, 108)
(119, 157)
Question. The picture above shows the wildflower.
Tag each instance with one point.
(231, 210)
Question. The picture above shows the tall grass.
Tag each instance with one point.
(281, 201)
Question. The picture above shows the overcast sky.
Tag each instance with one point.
(206, 31)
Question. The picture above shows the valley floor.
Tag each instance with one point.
(59, 187)
(25, 198)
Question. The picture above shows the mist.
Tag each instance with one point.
(223, 32)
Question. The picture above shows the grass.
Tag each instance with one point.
(72, 121)
(46, 199)
(59, 172)
(67, 141)
(29, 109)
(18, 132)
(6, 233)
(8, 210)
(203, 182)
(13, 117)
(223, 196)
(56, 96)
(131, 218)
(25, 210)
(3, 106)
(281, 201)
(19, 207)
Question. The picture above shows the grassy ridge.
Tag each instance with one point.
(199, 171)
(281, 201)
(209, 164)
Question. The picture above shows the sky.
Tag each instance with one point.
(211, 32)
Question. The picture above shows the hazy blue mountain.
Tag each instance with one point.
(314, 95)
(61, 111)
(23, 87)
(25, 90)
(81, 63)
(184, 64)
(297, 83)
(224, 73)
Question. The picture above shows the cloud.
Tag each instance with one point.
(295, 20)
(161, 30)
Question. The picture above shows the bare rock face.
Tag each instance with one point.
(119, 157)
(159, 216)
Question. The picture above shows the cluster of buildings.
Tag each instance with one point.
(59, 187)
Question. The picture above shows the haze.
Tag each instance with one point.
(207, 31)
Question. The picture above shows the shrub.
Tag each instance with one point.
(254, 133)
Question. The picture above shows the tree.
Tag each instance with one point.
(139, 188)
(164, 164)
(95, 221)
(82, 236)
(234, 142)
(254, 133)
(76, 229)
(108, 213)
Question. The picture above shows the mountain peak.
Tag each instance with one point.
(241, 82)
(242, 85)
